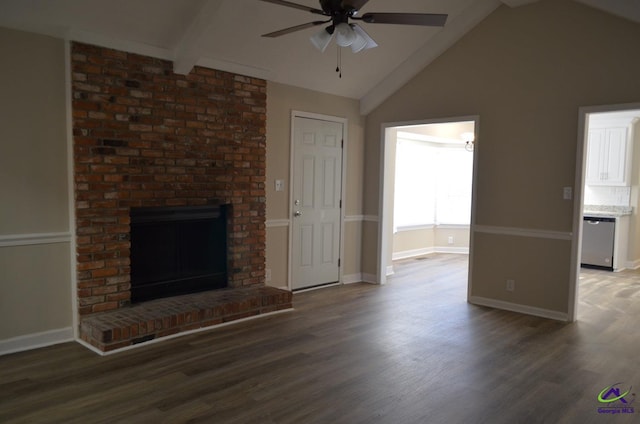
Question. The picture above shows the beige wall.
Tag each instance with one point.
(460, 237)
(35, 285)
(33, 159)
(35, 289)
(540, 280)
(281, 101)
(417, 240)
(525, 72)
(432, 239)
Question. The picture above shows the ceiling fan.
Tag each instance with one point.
(339, 12)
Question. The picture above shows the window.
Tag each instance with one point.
(453, 186)
(432, 184)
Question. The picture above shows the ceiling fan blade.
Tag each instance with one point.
(356, 4)
(294, 29)
(296, 6)
(425, 19)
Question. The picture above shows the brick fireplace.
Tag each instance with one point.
(146, 137)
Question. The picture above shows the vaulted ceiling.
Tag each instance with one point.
(226, 35)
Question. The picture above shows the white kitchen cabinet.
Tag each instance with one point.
(607, 156)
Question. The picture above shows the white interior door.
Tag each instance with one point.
(316, 190)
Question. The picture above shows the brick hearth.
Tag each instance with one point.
(164, 317)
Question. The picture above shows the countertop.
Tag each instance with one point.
(607, 211)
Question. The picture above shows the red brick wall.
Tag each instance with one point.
(144, 136)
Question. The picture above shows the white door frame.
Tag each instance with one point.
(319, 117)
(384, 220)
(578, 200)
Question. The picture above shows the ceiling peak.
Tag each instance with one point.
(517, 3)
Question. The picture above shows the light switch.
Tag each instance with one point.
(567, 193)
(279, 185)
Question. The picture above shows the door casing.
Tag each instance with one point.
(384, 208)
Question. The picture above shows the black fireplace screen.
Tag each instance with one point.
(177, 250)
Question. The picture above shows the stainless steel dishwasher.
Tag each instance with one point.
(598, 234)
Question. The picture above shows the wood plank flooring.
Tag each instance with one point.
(412, 351)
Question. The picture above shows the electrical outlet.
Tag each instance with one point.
(267, 275)
(450, 240)
(511, 285)
(279, 185)
(567, 193)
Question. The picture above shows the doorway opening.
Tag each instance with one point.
(427, 190)
(608, 178)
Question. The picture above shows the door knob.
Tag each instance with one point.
(297, 213)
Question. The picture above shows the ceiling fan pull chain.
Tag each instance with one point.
(339, 60)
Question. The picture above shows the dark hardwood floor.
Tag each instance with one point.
(412, 351)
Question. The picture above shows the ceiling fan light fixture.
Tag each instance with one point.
(351, 35)
(363, 40)
(345, 36)
(322, 39)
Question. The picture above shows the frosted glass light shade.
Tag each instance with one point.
(362, 41)
(321, 40)
(345, 35)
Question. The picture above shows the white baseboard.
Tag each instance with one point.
(633, 264)
(352, 278)
(36, 340)
(359, 278)
(448, 249)
(407, 254)
(523, 309)
(370, 278)
(390, 270)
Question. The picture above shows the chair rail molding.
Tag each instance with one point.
(12, 240)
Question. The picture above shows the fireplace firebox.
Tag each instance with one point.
(177, 250)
